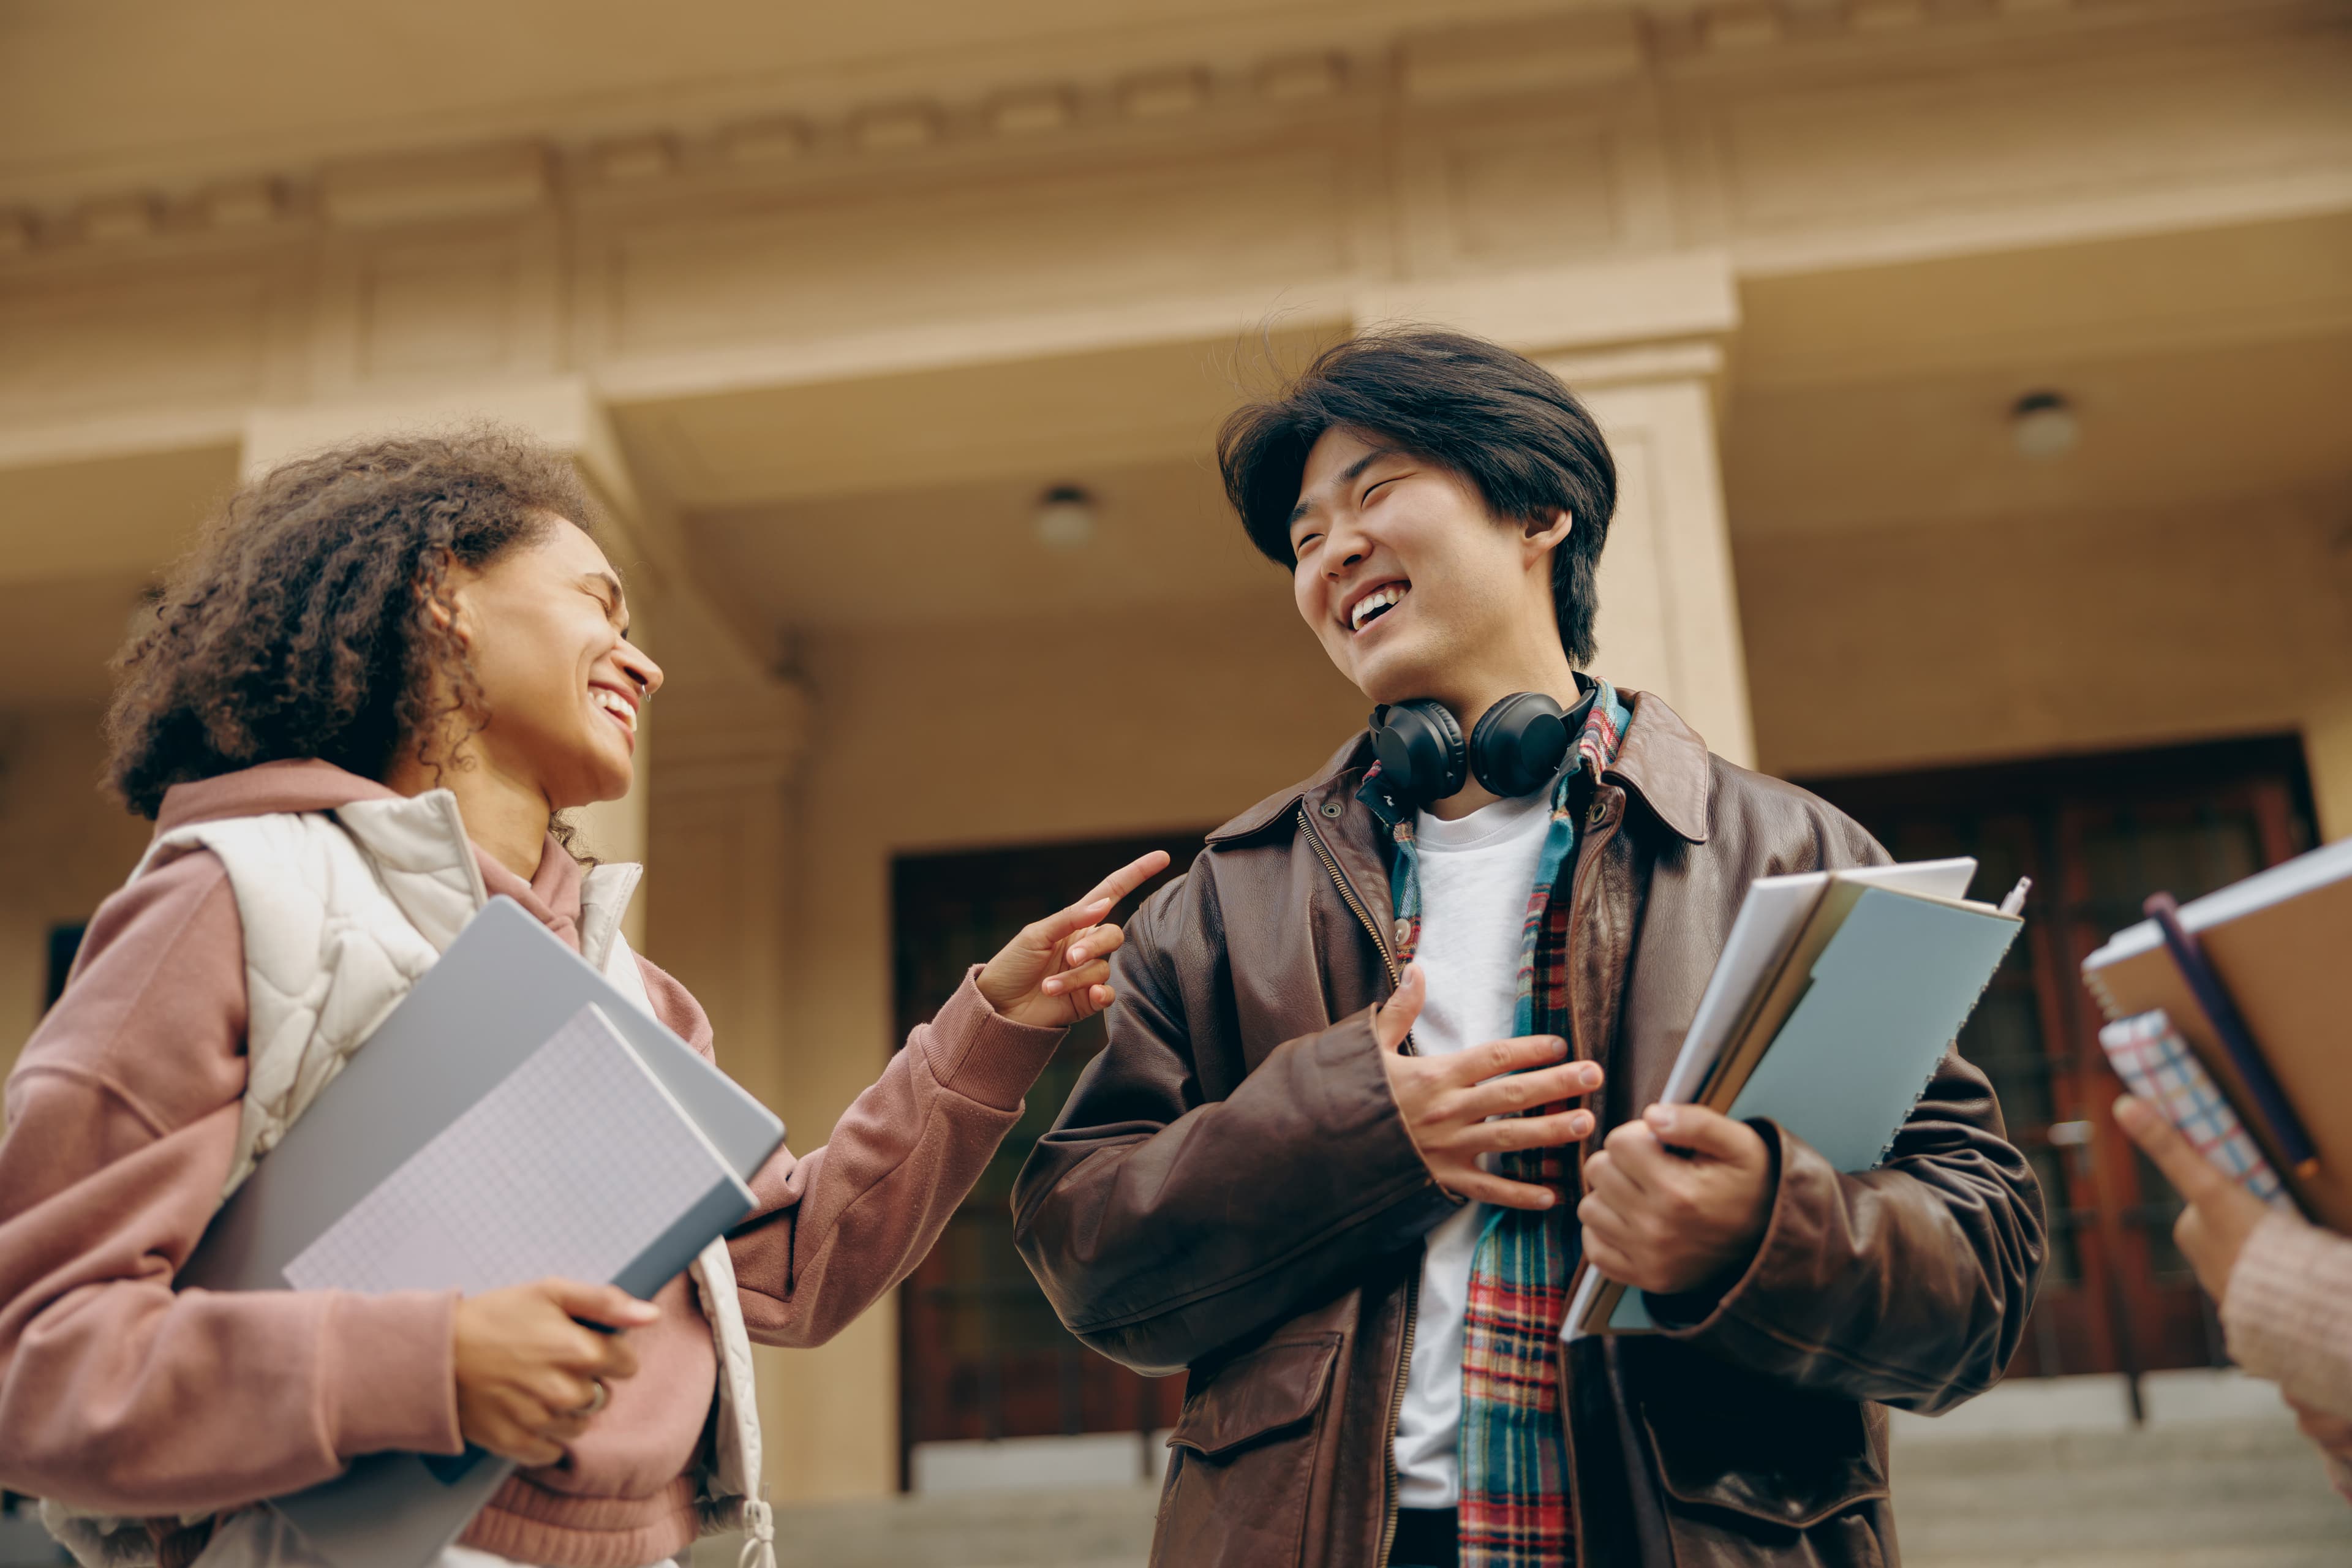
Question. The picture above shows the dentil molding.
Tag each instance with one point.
(1574, 49)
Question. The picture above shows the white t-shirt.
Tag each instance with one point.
(1475, 875)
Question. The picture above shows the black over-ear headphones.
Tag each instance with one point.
(1516, 748)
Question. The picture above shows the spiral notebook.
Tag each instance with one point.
(2278, 942)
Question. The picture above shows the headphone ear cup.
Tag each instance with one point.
(1420, 747)
(1518, 744)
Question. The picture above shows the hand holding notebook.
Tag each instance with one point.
(2254, 980)
(2219, 1215)
(1834, 1001)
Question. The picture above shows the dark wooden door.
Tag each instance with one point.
(2098, 833)
(981, 1353)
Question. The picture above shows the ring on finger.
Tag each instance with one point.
(598, 1400)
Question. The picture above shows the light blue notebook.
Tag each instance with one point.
(1888, 994)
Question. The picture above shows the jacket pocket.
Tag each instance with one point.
(1243, 1466)
(1776, 1456)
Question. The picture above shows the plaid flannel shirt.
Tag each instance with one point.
(1514, 1508)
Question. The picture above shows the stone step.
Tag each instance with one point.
(2042, 1475)
(1090, 1526)
(2239, 1493)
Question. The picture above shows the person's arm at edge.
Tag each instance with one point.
(1144, 1212)
(116, 1393)
(2287, 1311)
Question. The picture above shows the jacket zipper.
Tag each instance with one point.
(1396, 1411)
(1413, 1282)
(1348, 895)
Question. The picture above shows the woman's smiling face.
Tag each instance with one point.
(561, 687)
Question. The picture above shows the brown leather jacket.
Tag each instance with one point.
(1230, 1192)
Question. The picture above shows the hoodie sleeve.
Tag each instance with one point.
(838, 1228)
(118, 1393)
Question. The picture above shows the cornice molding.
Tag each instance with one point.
(519, 173)
(1571, 51)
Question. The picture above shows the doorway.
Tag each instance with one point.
(981, 1353)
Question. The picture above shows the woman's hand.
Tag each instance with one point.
(2212, 1230)
(530, 1378)
(1053, 974)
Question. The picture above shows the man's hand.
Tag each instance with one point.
(1678, 1200)
(529, 1376)
(1447, 1101)
(1052, 974)
(2212, 1230)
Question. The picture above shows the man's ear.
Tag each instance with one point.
(1545, 534)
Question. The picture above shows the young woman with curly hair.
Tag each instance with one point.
(363, 641)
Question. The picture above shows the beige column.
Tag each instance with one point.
(725, 835)
(1669, 607)
(1643, 344)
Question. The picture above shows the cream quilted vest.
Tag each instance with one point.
(343, 913)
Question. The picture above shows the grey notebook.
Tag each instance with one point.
(516, 1116)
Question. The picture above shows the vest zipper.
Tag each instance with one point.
(1413, 1282)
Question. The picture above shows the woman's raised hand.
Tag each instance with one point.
(1053, 972)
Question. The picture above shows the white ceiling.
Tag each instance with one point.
(970, 552)
(2203, 365)
(2206, 425)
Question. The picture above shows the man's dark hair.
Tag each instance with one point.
(299, 626)
(1497, 418)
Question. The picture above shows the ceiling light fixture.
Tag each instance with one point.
(1065, 518)
(2043, 425)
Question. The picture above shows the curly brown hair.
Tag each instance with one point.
(298, 625)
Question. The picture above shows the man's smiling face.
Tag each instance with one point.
(1403, 576)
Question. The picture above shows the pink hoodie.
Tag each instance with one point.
(119, 1393)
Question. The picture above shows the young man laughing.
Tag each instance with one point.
(1388, 1055)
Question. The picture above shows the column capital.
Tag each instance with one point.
(566, 413)
(737, 735)
(1683, 297)
(562, 411)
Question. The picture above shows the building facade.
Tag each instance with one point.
(1975, 370)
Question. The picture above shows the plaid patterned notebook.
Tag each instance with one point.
(2156, 1064)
